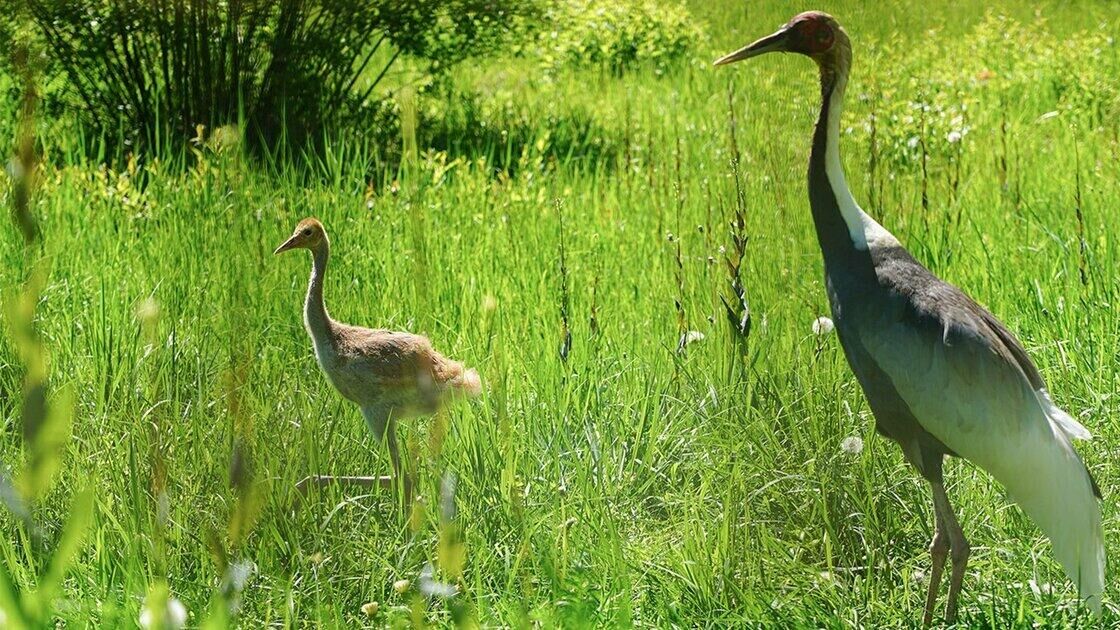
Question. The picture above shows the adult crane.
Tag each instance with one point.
(941, 374)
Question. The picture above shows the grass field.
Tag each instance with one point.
(628, 484)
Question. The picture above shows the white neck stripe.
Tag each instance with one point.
(861, 227)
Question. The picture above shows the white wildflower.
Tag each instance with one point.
(14, 169)
(447, 496)
(953, 137)
(823, 326)
(163, 507)
(918, 576)
(852, 445)
(693, 336)
(688, 339)
(238, 574)
(913, 142)
(147, 312)
(174, 615)
(430, 587)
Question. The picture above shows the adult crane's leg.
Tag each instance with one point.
(959, 549)
(938, 550)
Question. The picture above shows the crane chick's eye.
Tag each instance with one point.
(307, 231)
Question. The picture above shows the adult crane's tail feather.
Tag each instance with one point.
(1050, 482)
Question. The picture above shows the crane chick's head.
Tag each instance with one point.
(309, 233)
(813, 33)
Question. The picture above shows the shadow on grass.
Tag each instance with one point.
(511, 137)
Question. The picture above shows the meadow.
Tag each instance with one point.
(561, 229)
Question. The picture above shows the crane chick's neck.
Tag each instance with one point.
(315, 315)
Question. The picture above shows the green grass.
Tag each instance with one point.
(627, 485)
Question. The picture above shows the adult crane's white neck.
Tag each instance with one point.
(862, 229)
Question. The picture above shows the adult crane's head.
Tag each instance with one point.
(813, 34)
(309, 233)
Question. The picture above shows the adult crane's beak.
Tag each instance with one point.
(770, 43)
(288, 244)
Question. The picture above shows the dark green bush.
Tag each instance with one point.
(151, 71)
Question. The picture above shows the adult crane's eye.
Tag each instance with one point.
(823, 35)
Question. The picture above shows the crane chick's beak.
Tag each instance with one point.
(291, 243)
(770, 43)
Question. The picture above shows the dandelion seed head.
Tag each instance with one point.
(1039, 588)
(15, 169)
(953, 137)
(852, 445)
(447, 496)
(163, 507)
(433, 588)
(823, 326)
(174, 615)
(238, 574)
(147, 311)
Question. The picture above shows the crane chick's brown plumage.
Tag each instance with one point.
(390, 375)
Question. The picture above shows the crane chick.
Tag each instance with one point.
(390, 375)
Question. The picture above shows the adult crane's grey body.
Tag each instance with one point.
(941, 374)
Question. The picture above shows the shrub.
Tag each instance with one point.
(613, 34)
(156, 69)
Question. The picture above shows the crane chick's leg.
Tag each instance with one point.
(403, 476)
(384, 428)
(938, 550)
(959, 549)
(322, 481)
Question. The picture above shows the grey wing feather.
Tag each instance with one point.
(964, 375)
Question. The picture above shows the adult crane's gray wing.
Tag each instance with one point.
(965, 377)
